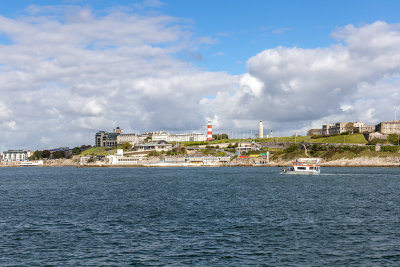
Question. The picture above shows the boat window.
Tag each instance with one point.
(311, 168)
(301, 168)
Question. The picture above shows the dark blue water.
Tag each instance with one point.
(199, 216)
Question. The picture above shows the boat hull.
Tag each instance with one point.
(301, 173)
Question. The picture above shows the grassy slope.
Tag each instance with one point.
(369, 154)
(98, 151)
(349, 139)
(336, 156)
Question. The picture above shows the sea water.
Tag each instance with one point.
(199, 216)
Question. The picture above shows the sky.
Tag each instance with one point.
(71, 68)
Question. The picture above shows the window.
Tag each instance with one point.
(301, 168)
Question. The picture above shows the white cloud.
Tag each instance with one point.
(65, 80)
(346, 81)
(9, 126)
(66, 76)
(5, 112)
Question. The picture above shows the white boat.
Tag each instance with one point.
(31, 164)
(302, 168)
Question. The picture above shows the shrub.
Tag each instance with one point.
(58, 154)
(76, 151)
(291, 148)
(315, 148)
(153, 154)
(357, 149)
(393, 149)
(176, 151)
(330, 152)
(377, 141)
(393, 139)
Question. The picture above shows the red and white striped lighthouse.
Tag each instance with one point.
(209, 131)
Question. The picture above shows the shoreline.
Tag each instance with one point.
(207, 166)
(391, 161)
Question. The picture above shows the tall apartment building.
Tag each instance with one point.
(105, 139)
(117, 137)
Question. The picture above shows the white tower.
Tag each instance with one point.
(271, 134)
(260, 130)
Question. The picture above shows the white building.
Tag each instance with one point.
(388, 127)
(160, 146)
(120, 159)
(15, 156)
(185, 137)
(340, 127)
(159, 136)
(130, 138)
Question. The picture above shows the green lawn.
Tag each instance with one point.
(216, 142)
(98, 151)
(348, 139)
(292, 139)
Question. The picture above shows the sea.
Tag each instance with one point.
(218, 216)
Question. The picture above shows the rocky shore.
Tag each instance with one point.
(355, 162)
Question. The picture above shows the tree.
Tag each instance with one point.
(59, 154)
(349, 127)
(76, 151)
(126, 146)
(46, 154)
(36, 155)
(220, 136)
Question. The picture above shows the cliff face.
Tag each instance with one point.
(366, 161)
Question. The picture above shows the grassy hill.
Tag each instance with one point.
(348, 139)
(98, 151)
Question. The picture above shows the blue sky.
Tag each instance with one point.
(70, 68)
(243, 28)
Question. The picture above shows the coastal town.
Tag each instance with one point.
(199, 133)
(160, 148)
